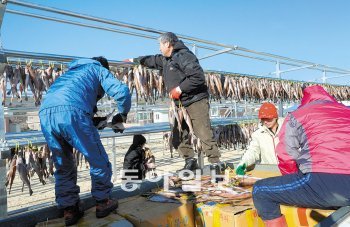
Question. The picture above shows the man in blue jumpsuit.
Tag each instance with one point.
(66, 118)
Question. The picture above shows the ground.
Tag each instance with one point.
(44, 194)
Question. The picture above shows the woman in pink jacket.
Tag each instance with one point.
(314, 158)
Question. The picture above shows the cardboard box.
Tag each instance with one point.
(264, 173)
(89, 219)
(297, 216)
(141, 212)
(216, 215)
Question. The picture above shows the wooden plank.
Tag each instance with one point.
(89, 219)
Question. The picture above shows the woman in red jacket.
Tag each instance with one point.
(314, 158)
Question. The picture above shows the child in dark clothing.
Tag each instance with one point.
(134, 158)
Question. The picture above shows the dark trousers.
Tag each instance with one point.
(311, 190)
(199, 114)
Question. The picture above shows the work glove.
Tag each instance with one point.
(119, 118)
(97, 120)
(175, 93)
(241, 169)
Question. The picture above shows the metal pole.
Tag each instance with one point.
(114, 164)
(4, 149)
(280, 103)
(216, 53)
(290, 70)
(324, 77)
(288, 59)
(235, 102)
(108, 21)
(151, 30)
(194, 49)
(3, 192)
(52, 57)
(200, 154)
(133, 34)
(201, 160)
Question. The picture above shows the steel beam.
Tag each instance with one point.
(152, 30)
(290, 70)
(37, 138)
(217, 53)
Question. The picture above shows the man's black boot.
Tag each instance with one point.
(190, 164)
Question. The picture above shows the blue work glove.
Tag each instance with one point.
(241, 169)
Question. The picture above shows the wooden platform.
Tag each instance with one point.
(89, 219)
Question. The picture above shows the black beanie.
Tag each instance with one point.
(139, 140)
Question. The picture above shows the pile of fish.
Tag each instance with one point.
(202, 189)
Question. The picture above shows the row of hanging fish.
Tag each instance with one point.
(148, 84)
(31, 160)
(236, 136)
(21, 77)
(236, 87)
(180, 119)
(28, 161)
(228, 136)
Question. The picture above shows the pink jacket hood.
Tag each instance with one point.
(315, 93)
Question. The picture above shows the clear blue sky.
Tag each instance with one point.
(313, 30)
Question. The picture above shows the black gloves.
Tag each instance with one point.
(119, 118)
(118, 130)
(97, 120)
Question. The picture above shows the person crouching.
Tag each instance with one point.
(134, 159)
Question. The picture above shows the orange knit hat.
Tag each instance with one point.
(268, 110)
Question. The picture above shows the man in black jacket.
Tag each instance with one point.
(184, 80)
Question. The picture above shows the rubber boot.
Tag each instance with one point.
(277, 222)
(190, 164)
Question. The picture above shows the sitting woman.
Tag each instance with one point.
(134, 159)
